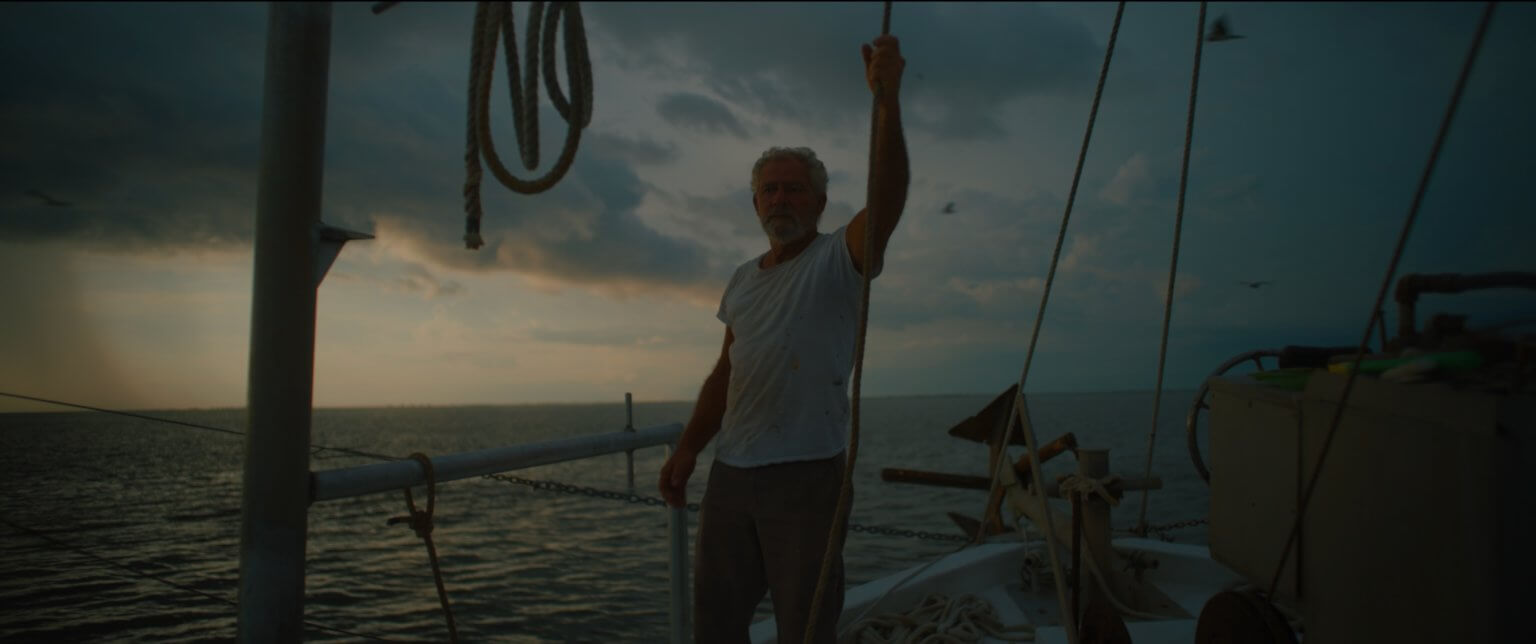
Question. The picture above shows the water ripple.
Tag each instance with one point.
(520, 565)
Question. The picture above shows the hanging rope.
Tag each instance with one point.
(421, 522)
(1173, 263)
(845, 495)
(1019, 409)
(491, 20)
(1077, 490)
(1381, 293)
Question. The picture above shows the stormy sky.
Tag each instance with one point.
(131, 147)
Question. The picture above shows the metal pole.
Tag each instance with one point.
(388, 477)
(629, 426)
(682, 601)
(275, 496)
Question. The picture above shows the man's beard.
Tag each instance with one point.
(784, 228)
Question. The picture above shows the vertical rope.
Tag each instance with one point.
(845, 495)
(472, 174)
(1386, 283)
(421, 522)
(1173, 264)
(1061, 234)
(1019, 411)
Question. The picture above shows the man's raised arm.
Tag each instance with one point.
(882, 68)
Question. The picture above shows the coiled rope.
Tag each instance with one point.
(845, 494)
(1386, 282)
(1173, 263)
(421, 522)
(939, 619)
(491, 20)
(1019, 409)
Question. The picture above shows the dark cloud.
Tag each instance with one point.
(150, 145)
(641, 151)
(150, 129)
(983, 262)
(801, 61)
(698, 112)
(726, 216)
(584, 231)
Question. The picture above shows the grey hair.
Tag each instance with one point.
(818, 171)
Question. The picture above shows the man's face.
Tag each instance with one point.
(787, 206)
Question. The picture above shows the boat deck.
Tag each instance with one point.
(1182, 576)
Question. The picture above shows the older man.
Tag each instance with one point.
(778, 396)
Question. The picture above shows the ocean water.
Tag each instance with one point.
(93, 501)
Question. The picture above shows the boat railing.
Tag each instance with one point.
(341, 483)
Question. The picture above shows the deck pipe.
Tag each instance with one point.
(373, 478)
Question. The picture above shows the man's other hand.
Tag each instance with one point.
(674, 477)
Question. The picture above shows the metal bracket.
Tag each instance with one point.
(331, 241)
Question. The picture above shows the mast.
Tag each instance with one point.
(275, 493)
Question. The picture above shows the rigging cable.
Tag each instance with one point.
(1381, 293)
(1173, 263)
(315, 449)
(1019, 411)
(492, 19)
(838, 532)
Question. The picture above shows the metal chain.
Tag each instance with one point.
(631, 497)
(563, 488)
(1162, 530)
(1187, 523)
(911, 534)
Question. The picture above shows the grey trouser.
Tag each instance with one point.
(765, 529)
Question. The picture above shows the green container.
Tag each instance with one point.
(1293, 379)
(1449, 360)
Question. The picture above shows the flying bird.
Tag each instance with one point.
(949, 208)
(47, 199)
(1220, 31)
(1256, 284)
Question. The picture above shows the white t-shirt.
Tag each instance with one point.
(794, 327)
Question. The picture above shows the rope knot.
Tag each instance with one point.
(420, 521)
(1073, 484)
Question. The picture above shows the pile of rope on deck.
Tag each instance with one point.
(938, 619)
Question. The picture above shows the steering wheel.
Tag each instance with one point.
(1193, 419)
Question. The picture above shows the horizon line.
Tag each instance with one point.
(64, 408)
